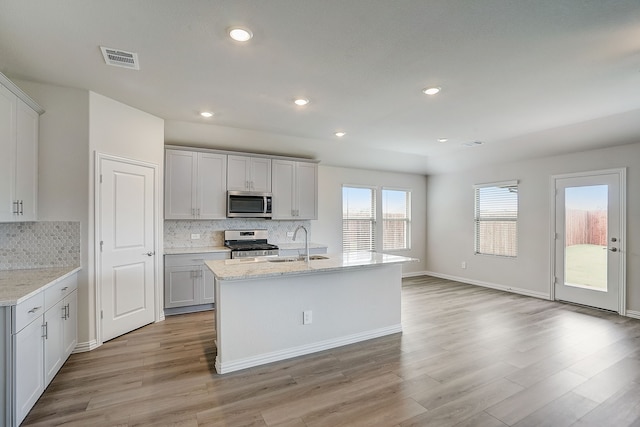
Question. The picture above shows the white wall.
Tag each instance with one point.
(450, 230)
(328, 228)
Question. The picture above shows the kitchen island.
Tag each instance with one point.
(273, 309)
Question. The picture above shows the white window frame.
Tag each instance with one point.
(406, 219)
(372, 219)
(478, 220)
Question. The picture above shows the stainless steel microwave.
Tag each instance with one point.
(248, 204)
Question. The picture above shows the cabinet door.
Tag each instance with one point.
(54, 355)
(260, 176)
(29, 374)
(212, 186)
(307, 190)
(283, 189)
(70, 333)
(27, 162)
(238, 173)
(8, 104)
(180, 184)
(181, 286)
(207, 286)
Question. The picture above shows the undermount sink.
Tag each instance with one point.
(300, 258)
(283, 259)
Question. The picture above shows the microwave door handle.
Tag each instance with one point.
(264, 205)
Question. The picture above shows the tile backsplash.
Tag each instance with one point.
(177, 233)
(25, 245)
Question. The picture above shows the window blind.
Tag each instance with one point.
(358, 219)
(496, 219)
(396, 211)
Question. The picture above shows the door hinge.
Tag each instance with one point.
(101, 245)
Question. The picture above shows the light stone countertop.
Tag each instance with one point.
(18, 285)
(255, 268)
(200, 250)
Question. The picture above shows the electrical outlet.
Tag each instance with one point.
(307, 317)
(195, 236)
(289, 233)
(463, 265)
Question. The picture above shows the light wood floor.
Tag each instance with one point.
(468, 356)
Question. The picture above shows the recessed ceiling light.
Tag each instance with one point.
(431, 90)
(240, 34)
(340, 134)
(301, 102)
(443, 139)
(206, 114)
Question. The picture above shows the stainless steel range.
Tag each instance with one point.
(249, 243)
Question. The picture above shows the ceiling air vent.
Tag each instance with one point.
(120, 58)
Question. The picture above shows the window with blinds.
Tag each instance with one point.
(396, 221)
(358, 218)
(496, 219)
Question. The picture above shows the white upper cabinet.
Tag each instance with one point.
(246, 173)
(8, 105)
(295, 190)
(195, 185)
(27, 162)
(212, 186)
(19, 160)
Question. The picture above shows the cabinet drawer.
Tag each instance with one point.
(27, 311)
(193, 259)
(59, 290)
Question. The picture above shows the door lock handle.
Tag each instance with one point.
(149, 253)
(613, 249)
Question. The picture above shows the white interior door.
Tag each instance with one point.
(127, 241)
(588, 251)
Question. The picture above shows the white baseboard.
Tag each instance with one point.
(261, 359)
(527, 292)
(414, 274)
(633, 313)
(83, 347)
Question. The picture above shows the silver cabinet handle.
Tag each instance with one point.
(149, 253)
(21, 208)
(45, 331)
(64, 289)
(64, 312)
(68, 312)
(16, 209)
(34, 309)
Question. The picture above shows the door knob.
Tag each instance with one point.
(149, 253)
(614, 249)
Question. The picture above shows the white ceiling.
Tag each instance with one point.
(528, 78)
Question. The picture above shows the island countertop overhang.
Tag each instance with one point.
(256, 268)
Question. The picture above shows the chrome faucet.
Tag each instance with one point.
(306, 240)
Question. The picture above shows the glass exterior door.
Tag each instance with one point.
(587, 258)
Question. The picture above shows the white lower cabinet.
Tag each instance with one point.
(187, 281)
(53, 337)
(44, 329)
(29, 368)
